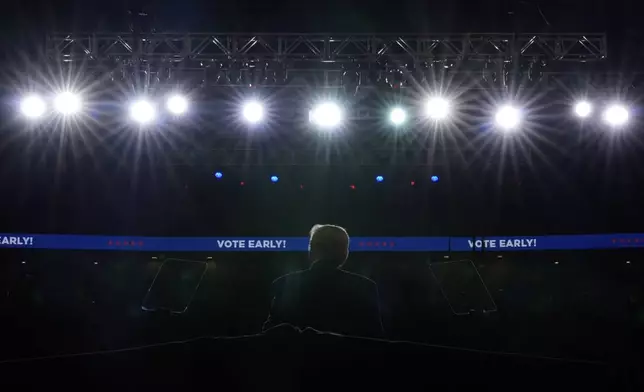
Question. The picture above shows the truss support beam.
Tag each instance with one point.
(197, 48)
(332, 60)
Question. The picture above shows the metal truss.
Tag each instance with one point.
(296, 60)
(405, 48)
(472, 61)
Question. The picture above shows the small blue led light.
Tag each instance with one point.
(380, 178)
(434, 178)
(274, 179)
(218, 175)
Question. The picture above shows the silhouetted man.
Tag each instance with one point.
(325, 297)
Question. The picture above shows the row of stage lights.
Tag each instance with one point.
(274, 179)
(326, 115)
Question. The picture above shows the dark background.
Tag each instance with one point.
(24, 22)
(575, 305)
(573, 180)
(353, 16)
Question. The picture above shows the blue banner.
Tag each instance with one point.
(553, 242)
(298, 244)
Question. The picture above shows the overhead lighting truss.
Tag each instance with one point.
(324, 48)
(276, 59)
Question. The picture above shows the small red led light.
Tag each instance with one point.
(242, 183)
(413, 183)
(352, 186)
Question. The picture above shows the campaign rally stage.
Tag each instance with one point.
(297, 244)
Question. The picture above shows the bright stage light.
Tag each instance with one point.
(508, 117)
(616, 115)
(397, 116)
(437, 108)
(142, 112)
(33, 106)
(67, 103)
(326, 115)
(177, 105)
(583, 109)
(253, 112)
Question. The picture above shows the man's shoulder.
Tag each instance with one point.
(353, 275)
(357, 278)
(290, 276)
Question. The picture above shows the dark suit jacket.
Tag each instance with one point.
(327, 299)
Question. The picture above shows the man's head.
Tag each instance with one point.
(329, 243)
